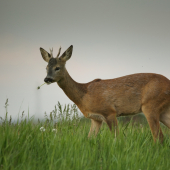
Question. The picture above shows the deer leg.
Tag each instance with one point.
(111, 121)
(153, 121)
(95, 127)
(155, 128)
(165, 118)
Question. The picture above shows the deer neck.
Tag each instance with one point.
(75, 91)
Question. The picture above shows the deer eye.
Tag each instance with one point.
(57, 68)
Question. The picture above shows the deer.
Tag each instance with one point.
(105, 100)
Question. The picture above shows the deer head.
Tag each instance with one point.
(56, 66)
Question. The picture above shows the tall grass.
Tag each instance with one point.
(64, 144)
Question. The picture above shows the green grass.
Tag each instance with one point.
(24, 146)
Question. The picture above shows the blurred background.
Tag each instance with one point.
(110, 39)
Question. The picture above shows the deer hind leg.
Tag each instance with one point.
(111, 121)
(95, 127)
(152, 117)
(165, 118)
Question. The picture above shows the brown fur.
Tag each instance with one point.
(104, 100)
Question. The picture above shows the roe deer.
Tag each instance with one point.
(104, 100)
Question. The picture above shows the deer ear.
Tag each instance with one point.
(67, 54)
(45, 55)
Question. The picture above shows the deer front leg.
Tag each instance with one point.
(95, 127)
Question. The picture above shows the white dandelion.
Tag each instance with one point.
(42, 129)
(54, 130)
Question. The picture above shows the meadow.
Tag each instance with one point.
(59, 142)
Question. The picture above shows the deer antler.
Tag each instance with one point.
(51, 52)
(59, 52)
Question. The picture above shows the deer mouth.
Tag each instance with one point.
(48, 83)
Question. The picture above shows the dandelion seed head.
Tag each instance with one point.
(42, 129)
(54, 130)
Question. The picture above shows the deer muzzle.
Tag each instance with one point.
(48, 80)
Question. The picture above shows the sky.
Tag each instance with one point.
(110, 39)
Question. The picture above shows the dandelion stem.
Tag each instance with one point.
(40, 86)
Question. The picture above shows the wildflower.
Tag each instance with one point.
(54, 130)
(42, 129)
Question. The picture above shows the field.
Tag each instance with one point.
(59, 142)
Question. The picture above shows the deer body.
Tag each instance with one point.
(104, 100)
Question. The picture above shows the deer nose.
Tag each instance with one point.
(48, 80)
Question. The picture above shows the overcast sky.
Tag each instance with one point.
(110, 39)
